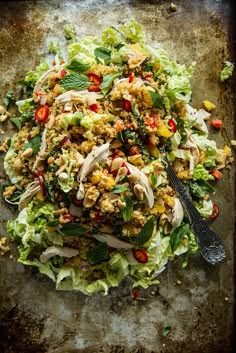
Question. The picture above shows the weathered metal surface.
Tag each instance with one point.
(36, 318)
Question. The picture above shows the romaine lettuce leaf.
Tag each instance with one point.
(201, 173)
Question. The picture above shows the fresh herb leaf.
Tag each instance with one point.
(69, 31)
(177, 235)
(53, 223)
(75, 81)
(8, 97)
(156, 100)
(50, 188)
(15, 196)
(107, 81)
(33, 143)
(128, 210)
(153, 180)
(118, 189)
(73, 229)
(118, 46)
(200, 188)
(146, 232)
(78, 66)
(181, 129)
(19, 121)
(103, 53)
(120, 136)
(98, 254)
(166, 331)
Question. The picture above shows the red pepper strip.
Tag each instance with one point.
(94, 88)
(216, 174)
(131, 78)
(94, 107)
(172, 125)
(216, 123)
(135, 294)
(94, 78)
(63, 73)
(42, 113)
(215, 212)
(140, 255)
(127, 105)
(41, 182)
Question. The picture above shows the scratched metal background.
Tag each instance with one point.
(34, 318)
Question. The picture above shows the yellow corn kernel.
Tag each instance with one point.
(95, 178)
(40, 196)
(164, 131)
(227, 151)
(208, 105)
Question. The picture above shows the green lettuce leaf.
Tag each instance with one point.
(133, 32)
(227, 71)
(89, 120)
(201, 173)
(83, 51)
(71, 119)
(32, 76)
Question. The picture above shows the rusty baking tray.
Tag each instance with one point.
(196, 303)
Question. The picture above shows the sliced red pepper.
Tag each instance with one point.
(215, 212)
(135, 294)
(131, 78)
(140, 255)
(94, 107)
(41, 182)
(42, 113)
(94, 88)
(63, 73)
(127, 105)
(94, 78)
(172, 125)
(217, 174)
(216, 123)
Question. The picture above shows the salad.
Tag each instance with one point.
(85, 169)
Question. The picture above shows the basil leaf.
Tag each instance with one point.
(166, 331)
(98, 254)
(103, 53)
(107, 81)
(128, 210)
(8, 97)
(118, 189)
(156, 100)
(78, 66)
(177, 235)
(74, 229)
(33, 143)
(75, 81)
(146, 232)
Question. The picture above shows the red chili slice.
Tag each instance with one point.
(215, 212)
(94, 107)
(42, 113)
(217, 174)
(172, 125)
(127, 105)
(131, 78)
(140, 255)
(216, 123)
(94, 88)
(41, 182)
(63, 73)
(94, 78)
(135, 294)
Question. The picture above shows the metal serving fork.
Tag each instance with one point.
(210, 244)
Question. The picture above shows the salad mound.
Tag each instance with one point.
(85, 167)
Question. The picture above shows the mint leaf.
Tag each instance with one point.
(146, 232)
(156, 100)
(75, 81)
(103, 53)
(98, 254)
(119, 188)
(107, 81)
(128, 210)
(33, 143)
(78, 66)
(73, 229)
(177, 235)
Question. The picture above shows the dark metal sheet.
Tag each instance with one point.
(36, 318)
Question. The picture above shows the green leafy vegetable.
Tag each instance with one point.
(98, 254)
(166, 331)
(200, 172)
(54, 47)
(19, 121)
(177, 235)
(33, 143)
(103, 53)
(69, 31)
(75, 81)
(73, 229)
(128, 210)
(119, 188)
(181, 129)
(78, 66)
(156, 100)
(153, 180)
(227, 71)
(107, 81)
(200, 188)
(8, 97)
(146, 232)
